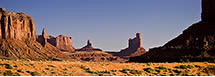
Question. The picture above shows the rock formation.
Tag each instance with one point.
(61, 42)
(197, 43)
(88, 47)
(16, 26)
(43, 38)
(18, 39)
(134, 48)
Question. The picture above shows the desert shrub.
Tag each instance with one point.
(211, 67)
(177, 71)
(47, 68)
(171, 74)
(113, 70)
(52, 66)
(197, 66)
(28, 71)
(161, 67)
(8, 73)
(19, 70)
(184, 66)
(149, 70)
(8, 66)
(35, 73)
(125, 70)
(157, 70)
(135, 72)
(52, 72)
(15, 66)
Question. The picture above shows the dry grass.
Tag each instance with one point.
(76, 68)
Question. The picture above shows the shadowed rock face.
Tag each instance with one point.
(197, 43)
(134, 48)
(88, 47)
(208, 12)
(16, 26)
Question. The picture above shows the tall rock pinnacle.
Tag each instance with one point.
(208, 10)
(44, 33)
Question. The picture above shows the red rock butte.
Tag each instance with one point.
(88, 47)
(17, 26)
(62, 42)
(134, 48)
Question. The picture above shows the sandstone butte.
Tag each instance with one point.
(18, 39)
(63, 43)
(88, 47)
(196, 43)
(134, 48)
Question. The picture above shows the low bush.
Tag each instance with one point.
(184, 66)
(8, 73)
(8, 66)
(35, 73)
(149, 70)
(135, 72)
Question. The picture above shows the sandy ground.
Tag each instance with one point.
(80, 68)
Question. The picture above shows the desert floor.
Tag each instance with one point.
(77, 68)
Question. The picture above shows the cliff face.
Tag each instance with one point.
(134, 48)
(197, 43)
(16, 26)
(61, 42)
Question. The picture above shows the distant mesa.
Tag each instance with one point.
(88, 47)
(61, 42)
(196, 43)
(134, 48)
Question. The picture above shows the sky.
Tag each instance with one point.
(110, 23)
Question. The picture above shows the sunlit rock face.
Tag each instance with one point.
(196, 43)
(16, 26)
(63, 43)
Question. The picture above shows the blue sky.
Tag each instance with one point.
(109, 23)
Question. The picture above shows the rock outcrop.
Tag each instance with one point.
(16, 26)
(61, 42)
(43, 38)
(18, 39)
(197, 43)
(88, 47)
(134, 48)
